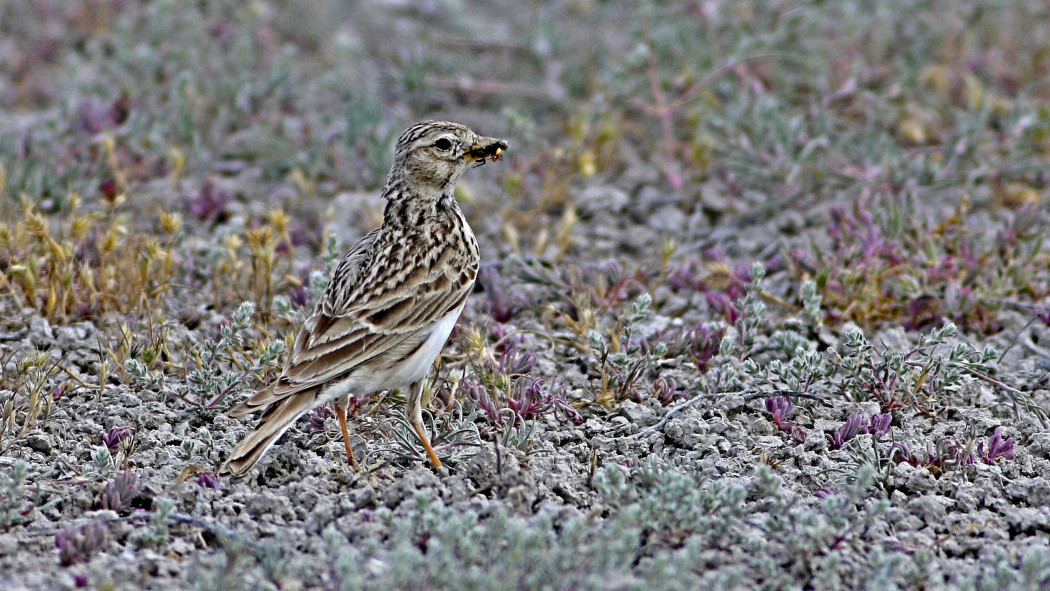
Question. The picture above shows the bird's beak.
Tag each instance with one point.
(486, 147)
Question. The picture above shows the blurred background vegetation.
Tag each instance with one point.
(128, 127)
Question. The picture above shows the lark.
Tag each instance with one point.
(392, 301)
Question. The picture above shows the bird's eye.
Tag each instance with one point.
(443, 144)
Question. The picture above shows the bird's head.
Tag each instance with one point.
(430, 156)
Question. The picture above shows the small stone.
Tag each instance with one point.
(867, 409)
(894, 339)
(1039, 444)
(790, 222)
(718, 425)
(567, 493)
(38, 441)
(268, 504)
(129, 400)
(914, 478)
(40, 334)
(968, 497)
(635, 413)
(1027, 520)
(815, 441)
(70, 338)
(930, 508)
(669, 218)
(419, 480)
(1034, 492)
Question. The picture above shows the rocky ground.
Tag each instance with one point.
(800, 342)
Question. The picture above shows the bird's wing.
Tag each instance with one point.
(365, 315)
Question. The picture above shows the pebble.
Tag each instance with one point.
(38, 441)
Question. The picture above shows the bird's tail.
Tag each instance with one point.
(273, 424)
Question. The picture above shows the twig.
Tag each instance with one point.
(1034, 348)
(672, 168)
(1031, 346)
(665, 110)
(990, 380)
(16, 336)
(677, 409)
(786, 393)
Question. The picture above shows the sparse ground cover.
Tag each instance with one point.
(764, 304)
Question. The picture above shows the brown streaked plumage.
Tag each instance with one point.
(391, 303)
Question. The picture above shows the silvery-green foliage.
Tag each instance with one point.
(12, 496)
(224, 364)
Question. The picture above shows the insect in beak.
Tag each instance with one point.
(486, 148)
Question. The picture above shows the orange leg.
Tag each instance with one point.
(341, 413)
(414, 412)
(426, 444)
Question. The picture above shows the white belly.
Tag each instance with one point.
(415, 367)
(418, 365)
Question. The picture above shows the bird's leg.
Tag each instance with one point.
(340, 412)
(415, 417)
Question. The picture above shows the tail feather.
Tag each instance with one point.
(273, 424)
(258, 401)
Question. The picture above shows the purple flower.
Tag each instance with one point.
(114, 436)
(211, 201)
(120, 492)
(110, 188)
(902, 453)
(207, 479)
(300, 296)
(946, 454)
(997, 448)
(704, 343)
(666, 390)
(477, 392)
(781, 408)
(798, 433)
(305, 233)
(855, 425)
(681, 278)
(77, 544)
(563, 411)
(319, 415)
(721, 302)
(93, 115)
(516, 362)
(528, 398)
(880, 424)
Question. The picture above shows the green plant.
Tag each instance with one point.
(158, 533)
(222, 365)
(30, 397)
(619, 360)
(921, 378)
(12, 511)
(454, 433)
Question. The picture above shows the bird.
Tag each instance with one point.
(392, 301)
